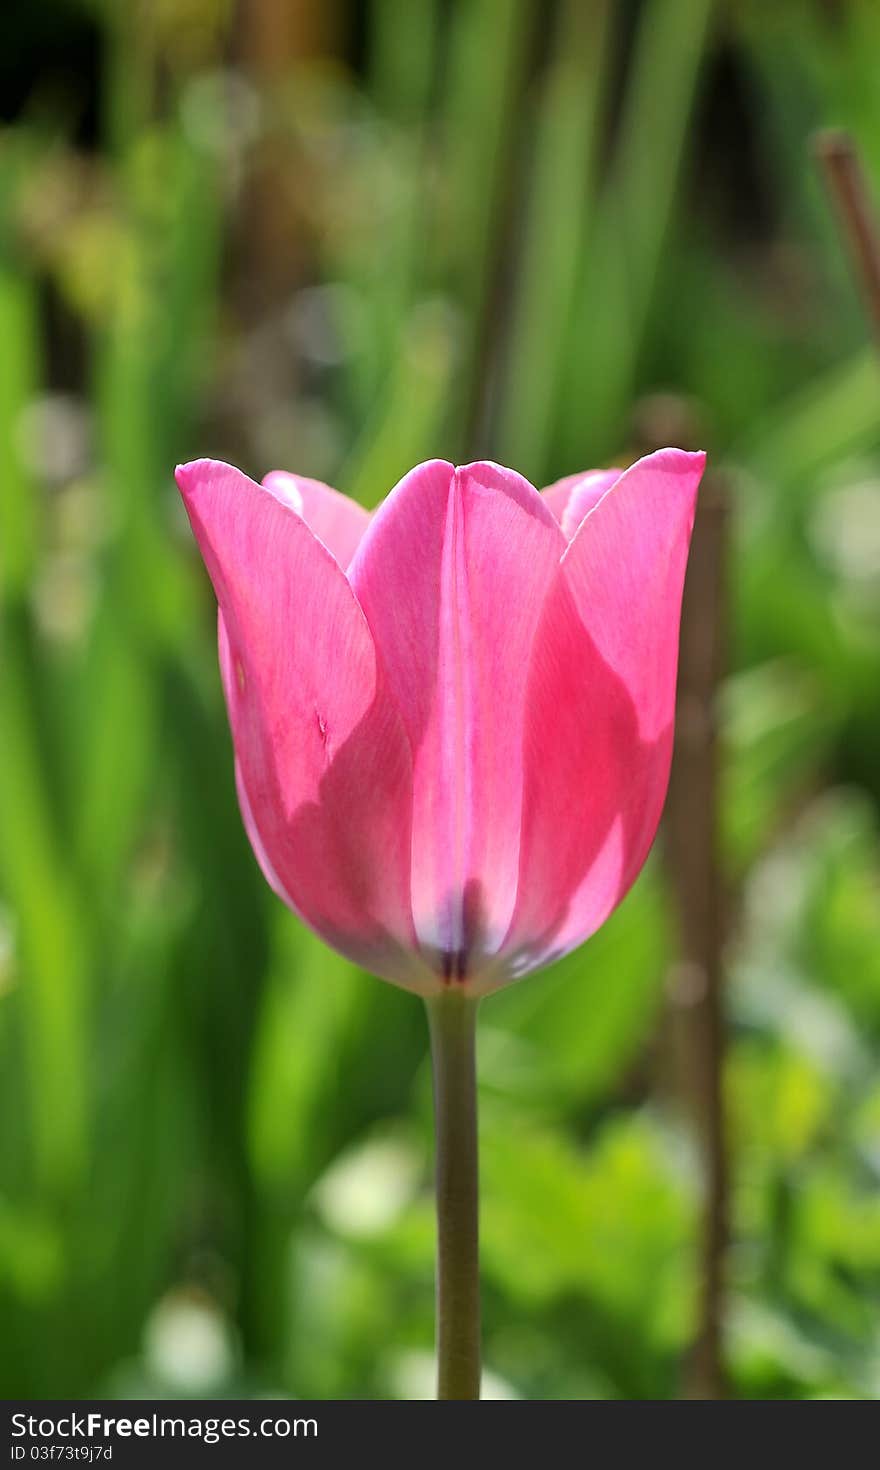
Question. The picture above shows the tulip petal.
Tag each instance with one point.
(335, 519)
(324, 768)
(452, 574)
(600, 707)
(572, 497)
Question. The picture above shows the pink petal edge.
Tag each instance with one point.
(324, 763)
(452, 575)
(572, 497)
(600, 710)
(334, 518)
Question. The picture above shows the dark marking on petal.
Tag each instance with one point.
(456, 965)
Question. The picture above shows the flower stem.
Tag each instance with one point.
(452, 1018)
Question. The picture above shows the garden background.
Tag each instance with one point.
(339, 238)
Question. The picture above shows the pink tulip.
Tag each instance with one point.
(452, 718)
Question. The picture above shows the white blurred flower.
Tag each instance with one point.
(367, 1189)
(414, 1377)
(188, 1345)
(54, 435)
(845, 529)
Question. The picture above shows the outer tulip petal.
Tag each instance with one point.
(452, 575)
(324, 769)
(335, 519)
(600, 707)
(572, 497)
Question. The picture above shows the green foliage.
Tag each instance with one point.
(215, 1160)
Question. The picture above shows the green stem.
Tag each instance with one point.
(452, 1018)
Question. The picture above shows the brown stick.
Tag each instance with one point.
(271, 38)
(850, 196)
(692, 849)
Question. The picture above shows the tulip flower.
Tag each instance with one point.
(452, 721)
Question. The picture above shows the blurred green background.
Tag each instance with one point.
(339, 238)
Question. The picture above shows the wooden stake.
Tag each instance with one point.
(697, 1020)
(850, 196)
